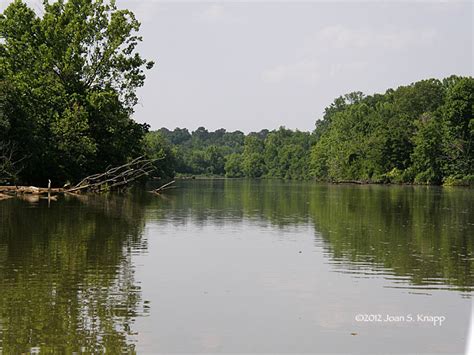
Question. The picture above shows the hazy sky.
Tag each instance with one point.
(254, 65)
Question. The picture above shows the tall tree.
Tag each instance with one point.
(72, 76)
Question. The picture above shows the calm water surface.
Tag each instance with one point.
(239, 266)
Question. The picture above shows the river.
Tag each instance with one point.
(239, 266)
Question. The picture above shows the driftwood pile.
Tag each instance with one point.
(7, 192)
(112, 179)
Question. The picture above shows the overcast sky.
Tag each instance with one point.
(254, 65)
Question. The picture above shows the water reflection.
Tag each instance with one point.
(422, 236)
(67, 271)
(66, 278)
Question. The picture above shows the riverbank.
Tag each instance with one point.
(469, 182)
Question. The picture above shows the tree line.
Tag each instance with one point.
(421, 133)
(68, 80)
(281, 153)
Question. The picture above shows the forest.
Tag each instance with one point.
(68, 82)
(281, 153)
(422, 133)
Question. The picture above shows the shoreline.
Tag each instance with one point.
(341, 182)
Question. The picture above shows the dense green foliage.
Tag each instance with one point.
(422, 133)
(281, 153)
(67, 87)
(201, 152)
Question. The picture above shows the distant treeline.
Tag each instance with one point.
(282, 153)
(422, 133)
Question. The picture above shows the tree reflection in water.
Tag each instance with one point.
(66, 278)
(423, 235)
(67, 274)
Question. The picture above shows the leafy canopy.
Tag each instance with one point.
(68, 80)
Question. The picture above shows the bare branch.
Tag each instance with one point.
(117, 176)
(10, 164)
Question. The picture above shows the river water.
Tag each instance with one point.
(239, 266)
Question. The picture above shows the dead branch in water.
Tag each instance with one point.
(112, 179)
(164, 187)
(116, 177)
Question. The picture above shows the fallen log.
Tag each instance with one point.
(28, 190)
(5, 197)
(357, 182)
(164, 187)
(112, 179)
